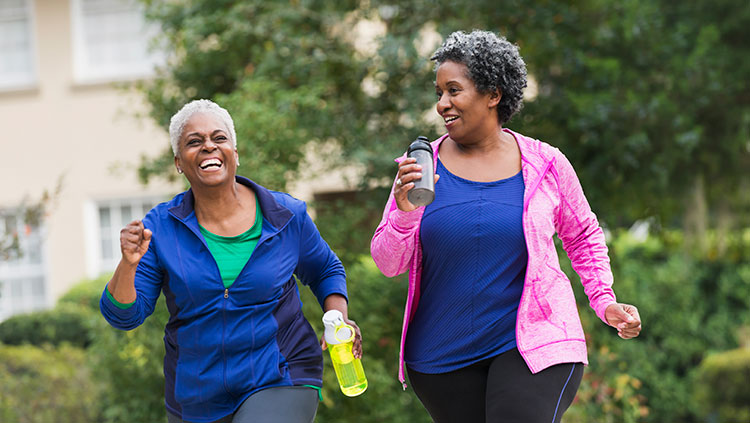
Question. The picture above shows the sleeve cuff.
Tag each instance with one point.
(117, 303)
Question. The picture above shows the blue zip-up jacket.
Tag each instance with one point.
(223, 345)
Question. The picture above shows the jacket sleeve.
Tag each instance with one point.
(395, 240)
(148, 282)
(583, 238)
(318, 266)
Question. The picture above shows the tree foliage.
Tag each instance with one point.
(276, 66)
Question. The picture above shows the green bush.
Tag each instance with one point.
(86, 294)
(71, 320)
(129, 368)
(42, 385)
(723, 391)
(62, 324)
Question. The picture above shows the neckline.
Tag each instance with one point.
(462, 179)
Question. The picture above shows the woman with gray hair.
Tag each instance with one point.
(491, 331)
(225, 254)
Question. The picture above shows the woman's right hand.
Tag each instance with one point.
(134, 241)
(408, 172)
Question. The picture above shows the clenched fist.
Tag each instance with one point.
(134, 240)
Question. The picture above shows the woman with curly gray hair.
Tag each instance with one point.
(491, 330)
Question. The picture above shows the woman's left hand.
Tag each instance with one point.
(625, 318)
(357, 344)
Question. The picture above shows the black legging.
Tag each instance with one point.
(498, 389)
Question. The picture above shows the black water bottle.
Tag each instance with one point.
(424, 188)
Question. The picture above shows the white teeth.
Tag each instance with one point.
(450, 119)
(210, 162)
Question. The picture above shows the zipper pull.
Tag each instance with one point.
(226, 292)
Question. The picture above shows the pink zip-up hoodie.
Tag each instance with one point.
(548, 328)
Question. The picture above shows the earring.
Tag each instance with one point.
(179, 170)
(238, 163)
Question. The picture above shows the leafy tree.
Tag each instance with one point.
(275, 66)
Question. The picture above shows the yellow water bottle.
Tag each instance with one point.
(349, 371)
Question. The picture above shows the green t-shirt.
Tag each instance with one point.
(232, 252)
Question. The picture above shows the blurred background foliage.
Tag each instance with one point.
(649, 100)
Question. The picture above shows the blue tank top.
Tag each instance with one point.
(473, 269)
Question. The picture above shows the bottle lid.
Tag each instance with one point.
(421, 143)
(332, 321)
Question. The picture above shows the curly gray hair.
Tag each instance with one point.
(180, 119)
(493, 63)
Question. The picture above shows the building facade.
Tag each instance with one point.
(66, 119)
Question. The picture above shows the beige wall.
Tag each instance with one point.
(86, 134)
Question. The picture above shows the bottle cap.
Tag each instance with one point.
(421, 143)
(332, 320)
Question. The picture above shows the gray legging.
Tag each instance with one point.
(284, 404)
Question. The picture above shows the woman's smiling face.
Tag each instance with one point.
(467, 112)
(206, 154)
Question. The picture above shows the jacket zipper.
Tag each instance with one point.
(223, 338)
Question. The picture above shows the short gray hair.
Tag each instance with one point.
(180, 119)
(493, 63)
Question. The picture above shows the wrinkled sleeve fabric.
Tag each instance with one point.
(318, 266)
(394, 243)
(148, 282)
(583, 239)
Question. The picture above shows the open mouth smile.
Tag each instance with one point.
(210, 164)
(449, 120)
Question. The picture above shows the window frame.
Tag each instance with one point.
(18, 272)
(96, 263)
(11, 82)
(84, 73)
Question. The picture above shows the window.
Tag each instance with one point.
(16, 46)
(23, 285)
(111, 41)
(110, 217)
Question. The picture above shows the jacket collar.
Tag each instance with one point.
(273, 212)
